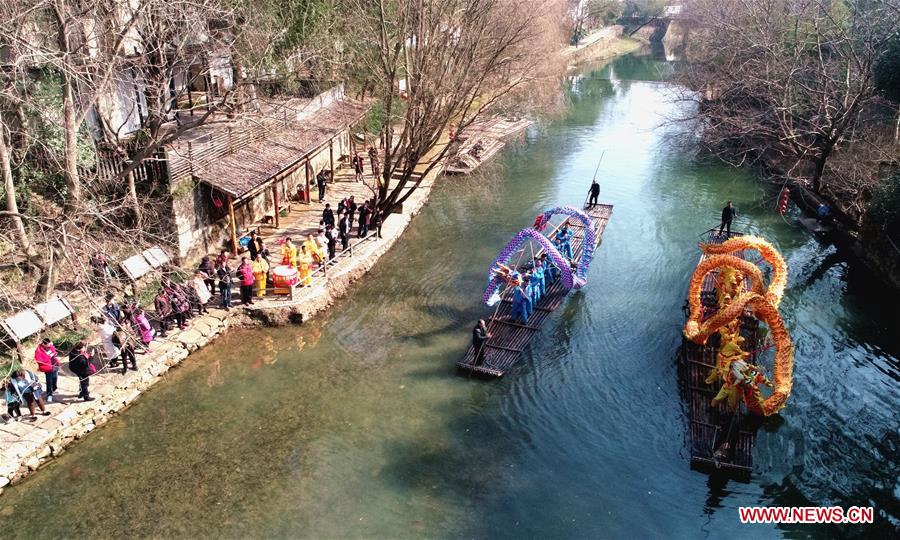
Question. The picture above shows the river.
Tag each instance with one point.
(357, 425)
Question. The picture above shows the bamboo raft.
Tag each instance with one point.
(492, 135)
(509, 338)
(711, 426)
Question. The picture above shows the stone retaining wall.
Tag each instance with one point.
(596, 46)
(27, 446)
(24, 446)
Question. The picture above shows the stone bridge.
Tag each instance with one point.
(669, 30)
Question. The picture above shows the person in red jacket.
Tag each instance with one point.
(48, 363)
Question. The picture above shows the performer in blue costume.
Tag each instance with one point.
(563, 241)
(535, 285)
(540, 277)
(551, 272)
(520, 304)
(526, 289)
(529, 288)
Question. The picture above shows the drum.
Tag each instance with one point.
(284, 277)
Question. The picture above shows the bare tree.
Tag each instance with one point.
(9, 186)
(88, 36)
(180, 43)
(118, 64)
(433, 63)
(785, 82)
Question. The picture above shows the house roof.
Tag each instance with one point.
(255, 163)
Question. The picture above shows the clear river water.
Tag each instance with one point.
(356, 424)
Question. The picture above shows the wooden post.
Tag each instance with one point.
(308, 194)
(233, 224)
(275, 196)
(331, 157)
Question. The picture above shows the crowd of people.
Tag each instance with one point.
(532, 285)
(335, 226)
(124, 330)
(120, 331)
(528, 285)
(366, 216)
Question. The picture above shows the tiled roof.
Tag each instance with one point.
(255, 163)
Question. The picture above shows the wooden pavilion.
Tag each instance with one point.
(239, 175)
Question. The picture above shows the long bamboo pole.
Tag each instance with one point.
(331, 157)
(308, 194)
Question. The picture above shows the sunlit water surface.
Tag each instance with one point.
(357, 425)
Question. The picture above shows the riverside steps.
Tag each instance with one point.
(509, 338)
(711, 427)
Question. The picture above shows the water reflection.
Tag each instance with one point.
(356, 424)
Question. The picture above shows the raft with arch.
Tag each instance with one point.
(510, 338)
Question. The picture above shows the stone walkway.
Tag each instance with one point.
(303, 219)
(25, 446)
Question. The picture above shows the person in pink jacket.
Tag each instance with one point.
(140, 323)
(245, 272)
(48, 363)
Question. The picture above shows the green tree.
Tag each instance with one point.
(887, 71)
(887, 78)
(293, 37)
(643, 8)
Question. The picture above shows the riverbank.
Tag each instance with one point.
(26, 446)
(603, 44)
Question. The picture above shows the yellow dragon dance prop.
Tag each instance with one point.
(741, 379)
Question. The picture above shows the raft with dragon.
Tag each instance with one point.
(736, 360)
(530, 279)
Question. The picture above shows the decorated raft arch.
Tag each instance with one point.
(590, 239)
(495, 281)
